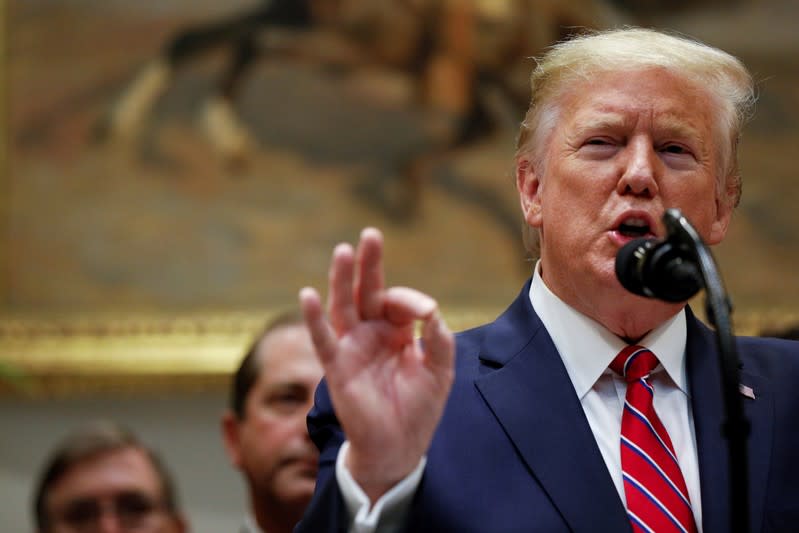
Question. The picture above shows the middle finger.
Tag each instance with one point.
(369, 278)
(340, 304)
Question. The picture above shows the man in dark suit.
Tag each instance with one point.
(583, 407)
(264, 429)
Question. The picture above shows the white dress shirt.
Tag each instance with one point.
(250, 526)
(587, 349)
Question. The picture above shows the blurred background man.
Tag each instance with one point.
(102, 479)
(264, 430)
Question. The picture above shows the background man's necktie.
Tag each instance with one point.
(657, 498)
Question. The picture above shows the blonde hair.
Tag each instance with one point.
(629, 49)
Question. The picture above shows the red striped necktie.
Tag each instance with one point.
(657, 498)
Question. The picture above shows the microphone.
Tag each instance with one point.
(674, 269)
(664, 269)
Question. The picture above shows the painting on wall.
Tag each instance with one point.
(176, 171)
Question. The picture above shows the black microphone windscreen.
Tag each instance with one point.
(658, 269)
(630, 263)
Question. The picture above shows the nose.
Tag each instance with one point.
(302, 421)
(640, 174)
(109, 522)
(300, 417)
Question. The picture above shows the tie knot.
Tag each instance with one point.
(634, 362)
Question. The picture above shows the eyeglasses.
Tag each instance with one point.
(134, 511)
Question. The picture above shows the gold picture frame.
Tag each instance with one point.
(67, 357)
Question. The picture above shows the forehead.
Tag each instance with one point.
(288, 352)
(106, 474)
(653, 97)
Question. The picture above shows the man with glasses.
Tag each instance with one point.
(102, 479)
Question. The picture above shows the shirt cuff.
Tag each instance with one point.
(389, 512)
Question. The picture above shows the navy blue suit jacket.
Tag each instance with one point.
(514, 451)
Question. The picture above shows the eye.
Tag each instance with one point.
(81, 512)
(675, 149)
(599, 148)
(289, 398)
(678, 156)
(133, 507)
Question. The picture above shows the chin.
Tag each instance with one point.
(604, 274)
(298, 491)
(299, 480)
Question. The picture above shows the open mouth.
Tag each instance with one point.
(634, 227)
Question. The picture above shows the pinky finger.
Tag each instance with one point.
(439, 345)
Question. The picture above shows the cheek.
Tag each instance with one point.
(572, 207)
(698, 205)
(281, 427)
(263, 442)
(263, 428)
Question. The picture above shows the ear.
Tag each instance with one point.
(528, 184)
(181, 523)
(230, 437)
(718, 229)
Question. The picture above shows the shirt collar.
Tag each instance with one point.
(251, 526)
(587, 347)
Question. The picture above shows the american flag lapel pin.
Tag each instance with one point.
(746, 391)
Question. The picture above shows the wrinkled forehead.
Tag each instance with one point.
(679, 104)
(651, 79)
(105, 474)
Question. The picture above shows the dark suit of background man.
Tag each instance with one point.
(516, 425)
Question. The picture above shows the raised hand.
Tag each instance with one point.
(388, 390)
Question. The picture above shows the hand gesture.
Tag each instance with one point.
(388, 389)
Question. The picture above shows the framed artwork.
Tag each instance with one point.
(163, 193)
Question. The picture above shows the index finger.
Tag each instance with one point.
(323, 338)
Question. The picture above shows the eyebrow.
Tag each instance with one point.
(669, 125)
(674, 127)
(606, 121)
(289, 386)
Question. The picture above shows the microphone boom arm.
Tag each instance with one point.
(718, 308)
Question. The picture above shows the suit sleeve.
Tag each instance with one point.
(327, 512)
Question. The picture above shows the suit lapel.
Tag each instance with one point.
(704, 378)
(534, 401)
